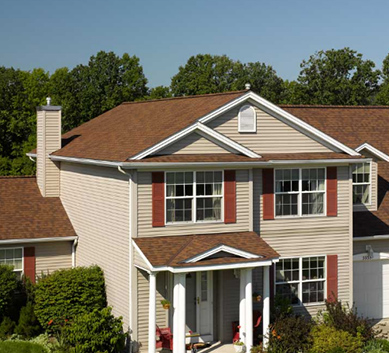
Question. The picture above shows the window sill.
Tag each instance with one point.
(177, 224)
(299, 217)
(307, 304)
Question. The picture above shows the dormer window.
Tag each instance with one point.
(247, 119)
(361, 183)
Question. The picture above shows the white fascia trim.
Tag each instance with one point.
(373, 237)
(283, 114)
(88, 161)
(143, 256)
(376, 152)
(227, 141)
(32, 155)
(37, 240)
(222, 248)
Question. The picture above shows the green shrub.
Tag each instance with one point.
(329, 339)
(21, 347)
(66, 293)
(98, 331)
(346, 319)
(282, 307)
(7, 328)
(290, 334)
(28, 325)
(8, 286)
(377, 346)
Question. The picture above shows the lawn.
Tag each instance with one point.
(20, 347)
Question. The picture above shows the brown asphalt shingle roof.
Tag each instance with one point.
(130, 128)
(354, 126)
(25, 214)
(174, 250)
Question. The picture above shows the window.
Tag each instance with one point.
(194, 196)
(361, 183)
(13, 257)
(299, 192)
(301, 280)
(247, 119)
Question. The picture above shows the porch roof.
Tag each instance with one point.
(190, 252)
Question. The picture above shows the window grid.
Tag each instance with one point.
(199, 198)
(361, 175)
(13, 257)
(302, 290)
(291, 193)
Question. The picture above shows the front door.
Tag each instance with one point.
(204, 309)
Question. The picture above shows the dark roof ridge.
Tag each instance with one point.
(186, 97)
(334, 106)
(17, 176)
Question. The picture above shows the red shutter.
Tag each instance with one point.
(332, 192)
(229, 196)
(158, 195)
(29, 263)
(268, 193)
(332, 277)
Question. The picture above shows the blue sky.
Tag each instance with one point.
(165, 33)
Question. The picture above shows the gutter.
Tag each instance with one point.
(154, 165)
(74, 245)
(37, 240)
(373, 237)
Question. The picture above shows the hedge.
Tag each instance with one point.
(8, 286)
(64, 294)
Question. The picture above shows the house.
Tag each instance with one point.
(204, 201)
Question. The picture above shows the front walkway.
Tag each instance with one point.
(219, 348)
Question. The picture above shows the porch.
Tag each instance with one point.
(210, 281)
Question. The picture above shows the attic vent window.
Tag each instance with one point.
(247, 119)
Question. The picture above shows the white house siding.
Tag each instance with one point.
(96, 200)
(193, 144)
(314, 235)
(145, 228)
(272, 136)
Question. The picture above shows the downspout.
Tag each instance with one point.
(120, 169)
(74, 245)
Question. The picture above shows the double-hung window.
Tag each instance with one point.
(361, 183)
(194, 196)
(14, 258)
(299, 192)
(301, 279)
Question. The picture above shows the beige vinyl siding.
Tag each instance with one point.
(272, 136)
(50, 256)
(381, 245)
(97, 202)
(139, 261)
(145, 228)
(194, 144)
(308, 236)
(373, 190)
(49, 140)
(143, 306)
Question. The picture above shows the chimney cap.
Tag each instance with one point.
(247, 86)
(49, 106)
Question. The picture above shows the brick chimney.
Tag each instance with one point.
(48, 141)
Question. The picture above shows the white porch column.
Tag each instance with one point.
(152, 311)
(242, 306)
(266, 306)
(249, 309)
(179, 318)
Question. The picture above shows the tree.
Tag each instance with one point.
(383, 95)
(339, 77)
(159, 92)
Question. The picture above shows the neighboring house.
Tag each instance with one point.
(204, 200)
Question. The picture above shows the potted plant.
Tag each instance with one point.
(165, 304)
(239, 347)
(256, 297)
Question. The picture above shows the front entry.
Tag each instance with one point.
(204, 307)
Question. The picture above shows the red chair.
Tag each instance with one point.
(235, 326)
(164, 338)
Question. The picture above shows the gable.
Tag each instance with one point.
(272, 135)
(195, 144)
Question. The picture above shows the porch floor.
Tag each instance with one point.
(219, 347)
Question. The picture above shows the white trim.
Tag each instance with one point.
(375, 256)
(38, 240)
(376, 152)
(369, 183)
(223, 248)
(31, 155)
(279, 112)
(143, 256)
(15, 248)
(255, 119)
(373, 237)
(154, 165)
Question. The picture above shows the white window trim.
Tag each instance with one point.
(255, 119)
(369, 183)
(223, 248)
(301, 281)
(300, 193)
(194, 199)
(15, 248)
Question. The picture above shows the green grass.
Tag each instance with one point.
(20, 347)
